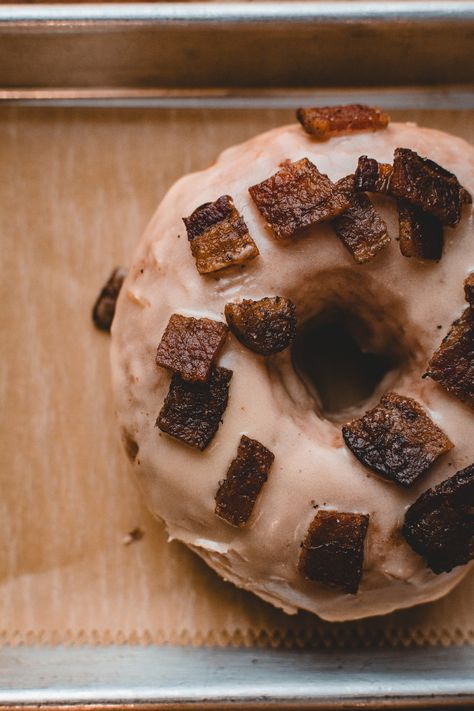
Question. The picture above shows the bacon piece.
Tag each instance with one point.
(266, 326)
(469, 289)
(421, 234)
(452, 365)
(372, 176)
(192, 411)
(360, 228)
(237, 494)
(189, 346)
(439, 526)
(218, 236)
(425, 184)
(296, 197)
(325, 121)
(332, 552)
(396, 439)
(104, 308)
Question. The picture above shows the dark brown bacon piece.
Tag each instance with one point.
(372, 176)
(296, 197)
(333, 550)
(421, 234)
(469, 289)
(396, 439)
(104, 308)
(266, 326)
(427, 185)
(247, 474)
(360, 228)
(440, 524)
(218, 236)
(192, 411)
(189, 346)
(452, 365)
(325, 121)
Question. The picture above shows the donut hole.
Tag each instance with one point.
(334, 355)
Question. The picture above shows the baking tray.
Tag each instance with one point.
(398, 54)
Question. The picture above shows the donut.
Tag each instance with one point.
(293, 364)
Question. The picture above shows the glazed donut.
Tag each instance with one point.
(324, 495)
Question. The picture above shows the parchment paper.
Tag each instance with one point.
(77, 188)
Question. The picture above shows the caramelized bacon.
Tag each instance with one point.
(396, 439)
(421, 234)
(218, 236)
(266, 326)
(104, 308)
(237, 494)
(332, 552)
(325, 121)
(372, 176)
(296, 197)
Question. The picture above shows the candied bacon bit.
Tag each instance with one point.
(372, 176)
(333, 550)
(218, 236)
(104, 308)
(266, 326)
(452, 365)
(421, 234)
(192, 411)
(296, 197)
(439, 526)
(246, 475)
(469, 289)
(425, 184)
(189, 346)
(325, 121)
(360, 228)
(396, 439)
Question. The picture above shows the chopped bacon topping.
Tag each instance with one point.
(360, 228)
(218, 236)
(396, 439)
(325, 121)
(439, 526)
(192, 411)
(425, 184)
(452, 365)
(421, 234)
(189, 346)
(237, 494)
(372, 176)
(297, 197)
(332, 552)
(266, 326)
(469, 289)
(104, 308)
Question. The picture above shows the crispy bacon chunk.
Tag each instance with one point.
(452, 365)
(360, 228)
(425, 184)
(421, 234)
(396, 439)
(332, 552)
(296, 197)
(266, 326)
(189, 346)
(104, 308)
(372, 176)
(247, 474)
(218, 236)
(440, 524)
(469, 289)
(192, 411)
(325, 121)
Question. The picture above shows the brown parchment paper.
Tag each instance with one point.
(77, 187)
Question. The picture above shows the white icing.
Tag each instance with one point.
(267, 399)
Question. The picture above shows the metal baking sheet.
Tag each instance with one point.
(195, 54)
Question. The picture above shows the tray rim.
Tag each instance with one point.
(170, 677)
